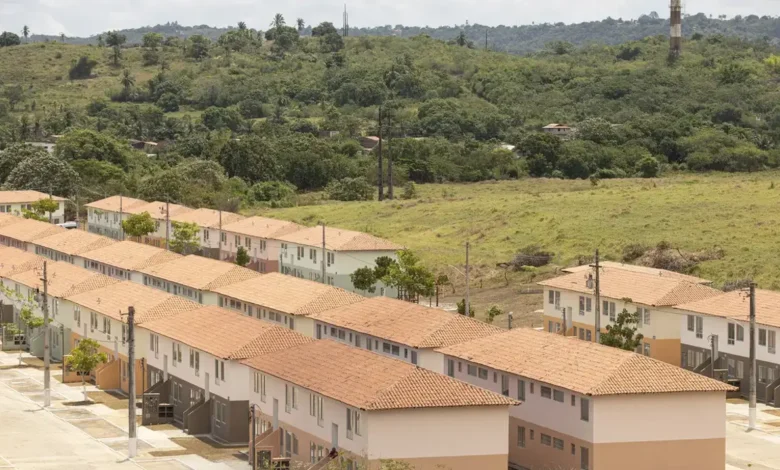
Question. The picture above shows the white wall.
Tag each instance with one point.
(719, 326)
(659, 417)
(346, 336)
(438, 432)
(16, 209)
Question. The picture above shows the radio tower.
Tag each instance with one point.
(675, 46)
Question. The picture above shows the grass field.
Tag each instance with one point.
(738, 213)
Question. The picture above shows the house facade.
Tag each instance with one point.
(581, 403)
(68, 245)
(255, 235)
(211, 223)
(324, 401)
(125, 260)
(105, 216)
(21, 233)
(16, 202)
(161, 213)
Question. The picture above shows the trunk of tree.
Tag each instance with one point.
(84, 388)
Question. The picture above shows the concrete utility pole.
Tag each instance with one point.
(752, 366)
(379, 183)
(468, 303)
(713, 353)
(167, 223)
(389, 163)
(598, 300)
(78, 224)
(50, 198)
(253, 439)
(132, 441)
(121, 227)
(219, 244)
(323, 253)
(46, 343)
(510, 319)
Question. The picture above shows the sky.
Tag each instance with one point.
(88, 17)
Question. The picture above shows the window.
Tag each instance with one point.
(520, 389)
(691, 320)
(546, 392)
(386, 348)
(545, 440)
(699, 327)
(573, 400)
(584, 409)
(396, 350)
(740, 333)
(731, 332)
(288, 393)
(531, 434)
(557, 300)
(588, 335)
(531, 385)
(505, 385)
(588, 304)
(520, 436)
(573, 449)
(647, 349)
(483, 373)
(646, 315)
(195, 360)
(471, 370)
(582, 305)
(248, 242)
(761, 337)
(450, 367)
(771, 341)
(584, 458)
(316, 403)
(740, 370)
(551, 297)
(558, 395)
(353, 422)
(558, 443)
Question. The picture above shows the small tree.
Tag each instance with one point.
(185, 238)
(84, 359)
(462, 307)
(242, 257)
(410, 278)
(139, 225)
(492, 313)
(364, 279)
(623, 333)
(45, 206)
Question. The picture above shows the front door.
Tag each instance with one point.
(334, 435)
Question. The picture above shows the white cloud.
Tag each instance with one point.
(86, 17)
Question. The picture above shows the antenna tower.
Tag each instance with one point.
(675, 45)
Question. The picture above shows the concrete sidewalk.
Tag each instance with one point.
(758, 449)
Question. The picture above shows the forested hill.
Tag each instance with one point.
(514, 39)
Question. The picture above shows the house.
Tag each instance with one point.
(23, 232)
(125, 260)
(399, 329)
(301, 255)
(725, 319)
(159, 211)
(570, 305)
(324, 399)
(588, 406)
(285, 300)
(558, 130)
(254, 233)
(105, 216)
(195, 277)
(588, 269)
(101, 314)
(14, 202)
(64, 280)
(211, 223)
(194, 364)
(13, 261)
(68, 245)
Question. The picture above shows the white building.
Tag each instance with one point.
(255, 235)
(160, 212)
(68, 245)
(21, 233)
(125, 260)
(105, 216)
(211, 223)
(15, 202)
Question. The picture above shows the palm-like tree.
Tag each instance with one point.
(62, 37)
(278, 21)
(26, 32)
(461, 39)
(301, 24)
(127, 80)
(241, 26)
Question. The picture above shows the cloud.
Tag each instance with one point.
(87, 17)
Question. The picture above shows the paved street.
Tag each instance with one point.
(755, 450)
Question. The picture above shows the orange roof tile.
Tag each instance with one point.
(26, 196)
(14, 261)
(8, 219)
(736, 305)
(65, 279)
(581, 366)
(130, 255)
(638, 269)
(370, 381)
(28, 230)
(337, 239)
(150, 304)
(74, 242)
(406, 323)
(261, 227)
(289, 294)
(157, 209)
(200, 273)
(226, 334)
(112, 204)
(207, 217)
(647, 289)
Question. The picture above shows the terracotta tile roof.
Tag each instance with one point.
(226, 334)
(65, 279)
(337, 239)
(638, 269)
(647, 289)
(111, 204)
(581, 366)
(150, 304)
(130, 255)
(28, 230)
(736, 305)
(74, 242)
(289, 294)
(26, 196)
(370, 381)
(200, 273)
(14, 261)
(8, 219)
(261, 227)
(207, 217)
(406, 323)
(156, 209)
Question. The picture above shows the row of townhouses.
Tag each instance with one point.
(684, 321)
(272, 245)
(16, 202)
(326, 374)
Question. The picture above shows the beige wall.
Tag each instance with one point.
(536, 455)
(667, 350)
(703, 454)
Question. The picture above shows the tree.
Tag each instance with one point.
(83, 359)
(44, 173)
(14, 94)
(648, 167)
(410, 278)
(364, 279)
(40, 208)
(127, 81)
(15, 154)
(461, 306)
(242, 26)
(278, 21)
(139, 225)
(86, 144)
(274, 193)
(461, 40)
(350, 189)
(8, 39)
(186, 240)
(82, 68)
(114, 39)
(622, 334)
(198, 47)
(63, 37)
(242, 257)
(116, 55)
(152, 40)
(301, 24)
(26, 32)
(492, 313)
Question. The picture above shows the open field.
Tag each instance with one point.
(737, 213)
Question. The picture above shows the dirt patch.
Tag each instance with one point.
(74, 413)
(162, 427)
(204, 447)
(111, 399)
(37, 363)
(736, 401)
(25, 385)
(772, 412)
(98, 428)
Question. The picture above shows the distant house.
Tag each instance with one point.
(560, 130)
(328, 134)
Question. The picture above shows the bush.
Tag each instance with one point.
(350, 189)
(168, 102)
(275, 193)
(648, 167)
(410, 190)
(82, 68)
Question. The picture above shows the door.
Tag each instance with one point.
(334, 435)
(165, 367)
(276, 414)
(319, 331)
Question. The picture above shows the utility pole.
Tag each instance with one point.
(132, 442)
(121, 227)
(752, 365)
(46, 343)
(219, 244)
(598, 300)
(253, 425)
(78, 225)
(713, 353)
(380, 185)
(510, 316)
(389, 163)
(486, 36)
(467, 311)
(167, 223)
(50, 198)
(323, 253)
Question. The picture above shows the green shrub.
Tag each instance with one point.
(350, 189)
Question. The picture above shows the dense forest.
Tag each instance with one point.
(241, 119)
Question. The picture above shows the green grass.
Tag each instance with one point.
(737, 213)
